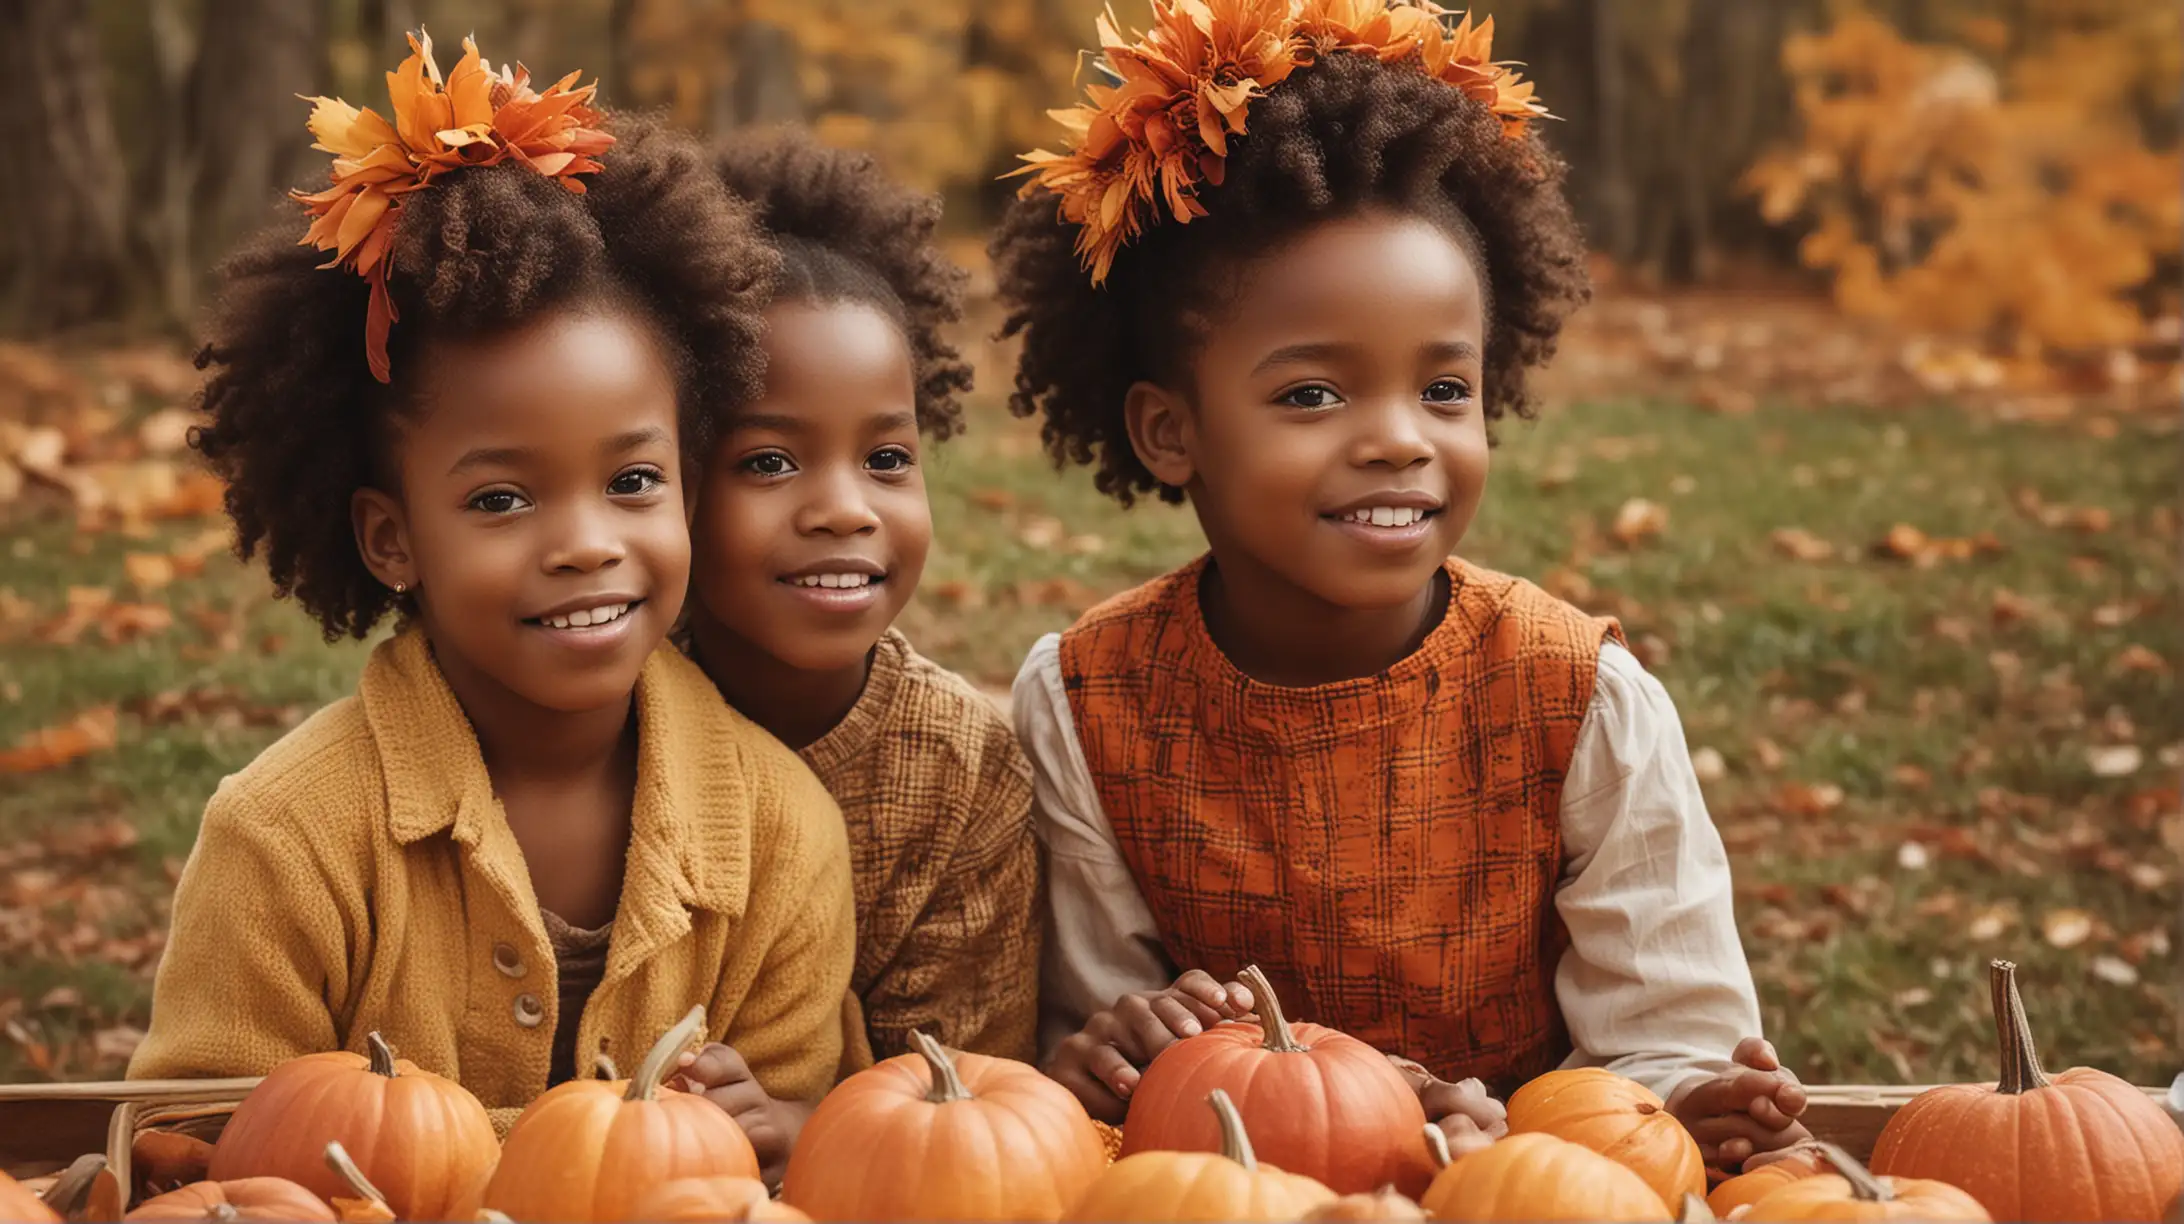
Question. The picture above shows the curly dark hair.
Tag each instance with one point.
(1344, 134)
(296, 421)
(847, 232)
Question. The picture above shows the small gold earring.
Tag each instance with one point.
(401, 588)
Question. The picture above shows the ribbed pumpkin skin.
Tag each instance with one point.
(1539, 1177)
(1017, 1147)
(1196, 1186)
(1617, 1117)
(582, 1153)
(251, 1198)
(1747, 1188)
(2088, 1146)
(423, 1140)
(1828, 1197)
(733, 1200)
(20, 1206)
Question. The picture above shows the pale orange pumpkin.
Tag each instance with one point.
(935, 1135)
(2080, 1145)
(1229, 1184)
(1617, 1117)
(20, 1206)
(1747, 1188)
(588, 1149)
(1537, 1176)
(1319, 1103)
(727, 1200)
(1853, 1194)
(1386, 1203)
(246, 1198)
(422, 1139)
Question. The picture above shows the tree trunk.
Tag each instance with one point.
(246, 124)
(66, 198)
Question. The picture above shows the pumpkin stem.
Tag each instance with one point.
(948, 1084)
(2013, 1033)
(1278, 1037)
(223, 1212)
(486, 1215)
(1235, 1144)
(646, 1086)
(1695, 1210)
(1864, 1187)
(382, 1055)
(67, 1190)
(604, 1068)
(337, 1159)
(1437, 1146)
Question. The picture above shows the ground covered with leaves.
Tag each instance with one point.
(1925, 657)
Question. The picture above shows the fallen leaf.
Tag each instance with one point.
(197, 494)
(1637, 521)
(127, 622)
(41, 451)
(2066, 928)
(1808, 799)
(2091, 520)
(11, 482)
(1911, 777)
(1955, 629)
(1041, 532)
(60, 997)
(2136, 658)
(1903, 542)
(2114, 760)
(993, 499)
(2110, 616)
(1708, 765)
(956, 593)
(1911, 856)
(2010, 607)
(166, 432)
(2115, 971)
(1568, 585)
(1085, 545)
(94, 730)
(148, 571)
(1990, 923)
(1801, 545)
(1917, 996)
(1767, 754)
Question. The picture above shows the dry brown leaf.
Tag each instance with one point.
(1568, 585)
(2136, 658)
(1911, 777)
(1767, 754)
(1808, 799)
(94, 730)
(2090, 520)
(1637, 521)
(195, 494)
(166, 432)
(993, 499)
(955, 593)
(1801, 545)
(2010, 607)
(1708, 766)
(148, 571)
(41, 451)
(1903, 542)
(1041, 532)
(2114, 760)
(2066, 928)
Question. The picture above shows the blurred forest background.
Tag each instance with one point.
(1869, 439)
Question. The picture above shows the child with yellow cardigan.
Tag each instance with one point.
(1297, 259)
(535, 835)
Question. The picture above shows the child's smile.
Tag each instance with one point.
(1395, 522)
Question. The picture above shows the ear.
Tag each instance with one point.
(1161, 432)
(382, 537)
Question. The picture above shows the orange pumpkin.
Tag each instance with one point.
(1617, 1117)
(1229, 1184)
(421, 1138)
(247, 1198)
(1747, 1188)
(1537, 1177)
(1853, 1194)
(932, 1135)
(1386, 1203)
(731, 1200)
(2075, 1146)
(18, 1204)
(589, 1149)
(1318, 1103)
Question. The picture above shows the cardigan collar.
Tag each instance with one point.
(689, 827)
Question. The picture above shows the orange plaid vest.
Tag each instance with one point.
(1385, 849)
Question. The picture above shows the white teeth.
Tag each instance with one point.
(833, 581)
(585, 618)
(1387, 516)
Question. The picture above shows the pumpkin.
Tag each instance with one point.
(364, 1204)
(1229, 1184)
(421, 1138)
(1318, 1103)
(1617, 1117)
(1386, 1203)
(246, 1198)
(1537, 1177)
(590, 1148)
(734, 1200)
(2080, 1145)
(19, 1204)
(934, 1135)
(1852, 1193)
(1747, 1188)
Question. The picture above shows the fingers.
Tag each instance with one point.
(1140, 1030)
(1070, 1067)
(1463, 1135)
(1757, 1053)
(1465, 1099)
(714, 1066)
(1227, 1001)
(1179, 1016)
(1728, 1157)
(1723, 1128)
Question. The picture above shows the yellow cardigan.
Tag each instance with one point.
(361, 876)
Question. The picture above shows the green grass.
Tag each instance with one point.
(1847, 669)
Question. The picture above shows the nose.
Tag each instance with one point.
(584, 539)
(1390, 433)
(837, 505)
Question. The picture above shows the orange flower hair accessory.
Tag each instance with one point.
(1145, 140)
(475, 118)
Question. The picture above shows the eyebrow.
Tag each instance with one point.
(1299, 354)
(781, 422)
(500, 456)
(623, 443)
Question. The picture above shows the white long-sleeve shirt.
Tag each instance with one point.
(1654, 983)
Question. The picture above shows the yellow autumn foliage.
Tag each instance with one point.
(2001, 189)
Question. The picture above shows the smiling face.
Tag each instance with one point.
(538, 522)
(812, 524)
(1332, 437)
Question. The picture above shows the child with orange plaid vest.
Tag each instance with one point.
(1442, 810)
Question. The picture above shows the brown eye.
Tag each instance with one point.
(1311, 398)
(635, 482)
(889, 459)
(1447, 391)
(768, 465)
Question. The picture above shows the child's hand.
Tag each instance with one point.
(1743, 1112)
(720, 1075)
(1468, 1116)
(1100, 1063)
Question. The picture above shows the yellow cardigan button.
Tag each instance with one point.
(529, 1011)
(507, 961)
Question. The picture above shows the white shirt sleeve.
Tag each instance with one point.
(1101, 940)
(1654, 984)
